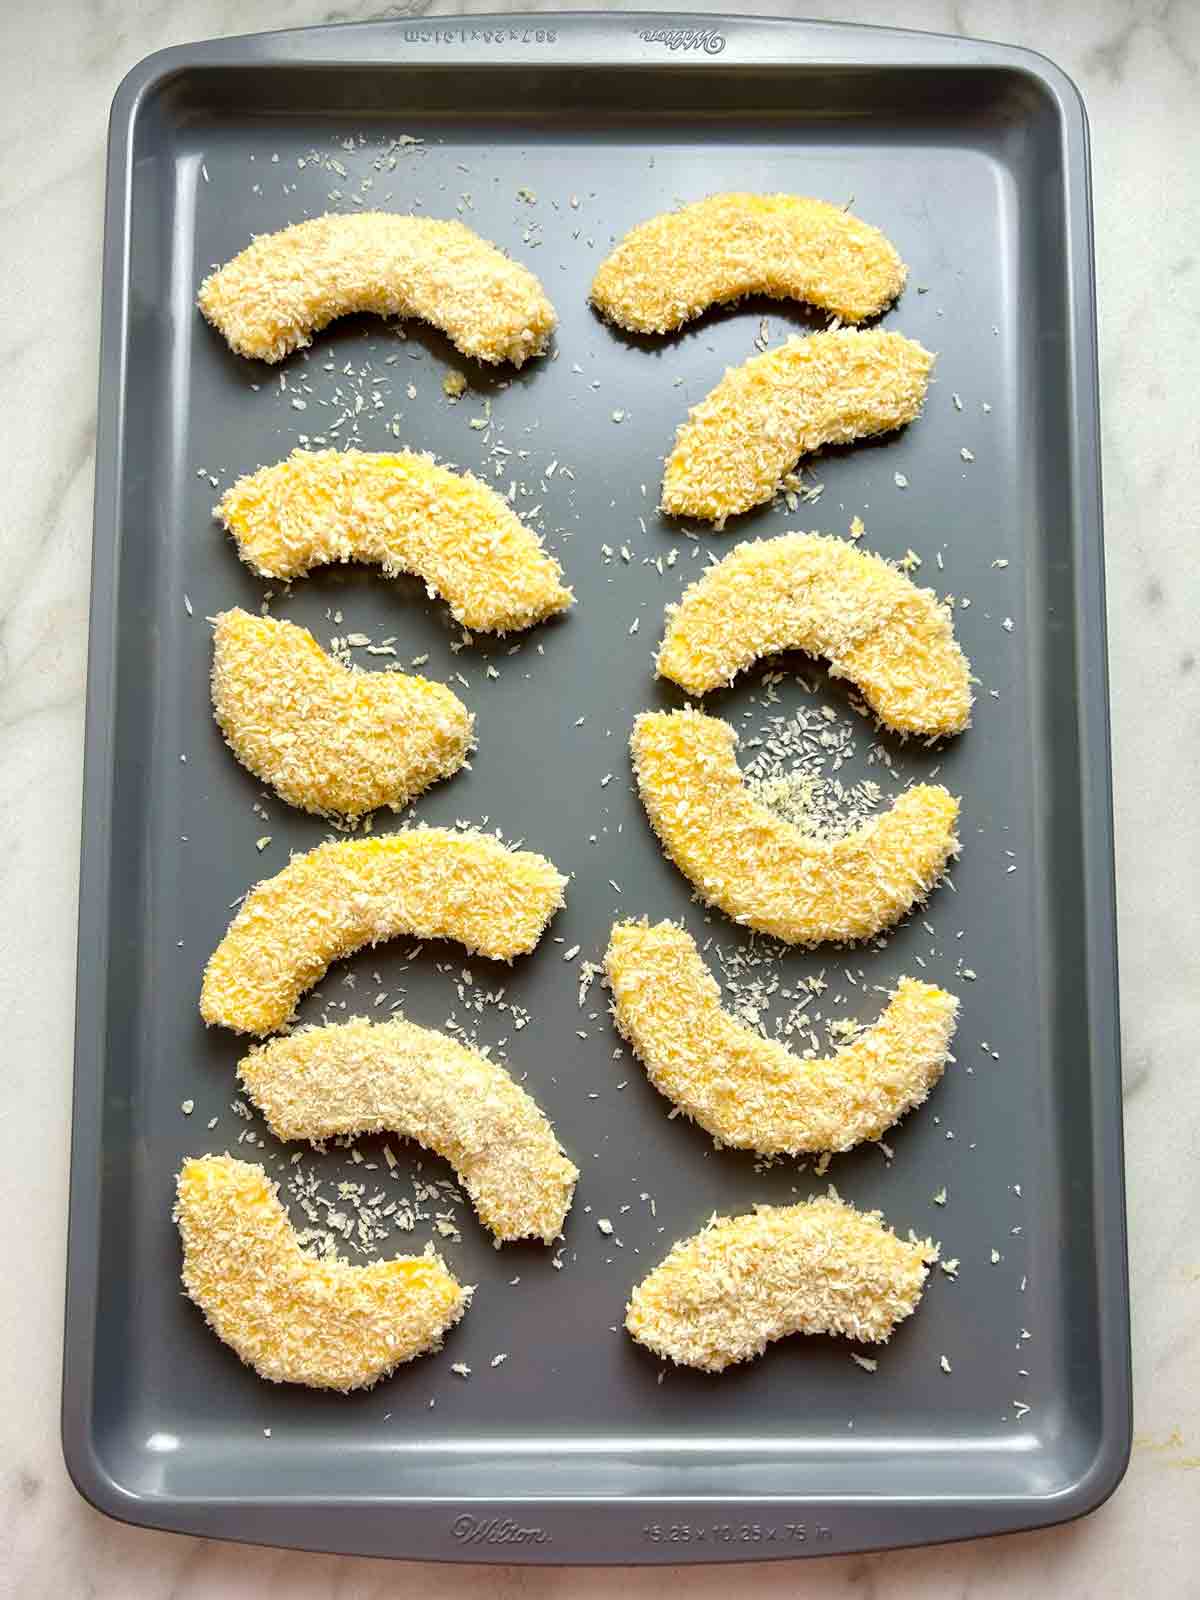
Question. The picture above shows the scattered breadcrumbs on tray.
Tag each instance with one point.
(361, 1214)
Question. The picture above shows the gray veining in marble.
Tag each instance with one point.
(1138, 63)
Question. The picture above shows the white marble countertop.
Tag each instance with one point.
(1138, 64)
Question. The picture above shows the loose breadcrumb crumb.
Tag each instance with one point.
(290, 1316)
(328, 738)
(766, 873)
(432, 883)
(819, 1267)
(751, 1092)
(361, 1077)
(806, 591)
(673, 267)
(286, 286)
(406, 513)
(742, 440)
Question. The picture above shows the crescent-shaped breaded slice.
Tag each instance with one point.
(293, 1317)
(673, 267)
(805, 591)
(742, 440)
(766, 873)
(750, 1092)
(328, 738)
(360, 1077)
(406, 513)
(283, 288)
(430, 883)
(819, 1267)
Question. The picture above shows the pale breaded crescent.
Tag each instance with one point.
(430, 883)
(286, 286)
(360, 1077)
(293, 1317)
(742, 440)
(673, 267)
(764, 872)
(328, 738)
(750, 1092)
(404, 512)
(819, 1267)
(804, 591)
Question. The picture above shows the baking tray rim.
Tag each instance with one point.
(599, 1529)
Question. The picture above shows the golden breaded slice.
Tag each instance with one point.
(819, 1267)
(328, 738)
(430, 883)
(804, 591)
(293, 1317)
(742, 440)
(407, 514)
(283, 288)
(670, 269)
(750, 1092)
(359, 1077)
(766, 873)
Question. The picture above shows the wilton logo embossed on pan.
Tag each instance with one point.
(706, 39)
(495, 1530)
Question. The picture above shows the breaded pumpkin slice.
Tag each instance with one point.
(328, 738)
(405, 513)
(429, 883)
(286, 286)
(673, 267)
(766, 873)
(819, 1267)
(293, 1317)
(804, 591)
(742, 440)
(360, 1077)
(753, 1093)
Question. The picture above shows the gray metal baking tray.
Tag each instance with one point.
(552, 135)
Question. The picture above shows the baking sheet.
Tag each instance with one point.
(552, 135)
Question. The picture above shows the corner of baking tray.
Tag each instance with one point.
(1043, 74)
(90, 1478)
(146, 78)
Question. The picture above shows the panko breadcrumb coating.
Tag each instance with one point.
(359, 1077)
(819, 1267)
(806, 591)
(283, 288)
(328, 738)
(742, 440)
(673, 267)
(750, 1092)
(408, 514)
(431, 883)
(290, 1316)
(766, 873)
